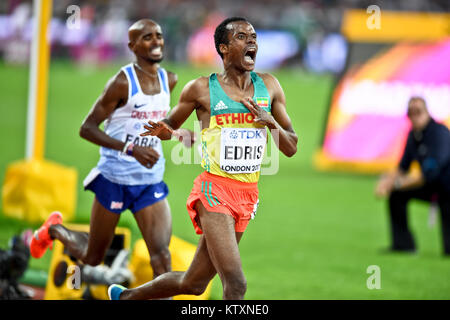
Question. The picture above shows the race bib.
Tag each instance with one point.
(133, 129)
(242, 149)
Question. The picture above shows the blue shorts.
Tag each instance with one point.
(118, 197)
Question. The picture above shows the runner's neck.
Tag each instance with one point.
(149, 68)
(241, 80)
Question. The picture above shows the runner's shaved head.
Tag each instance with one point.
(138, 27)
(145, 40)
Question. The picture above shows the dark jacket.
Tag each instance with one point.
(431, 148)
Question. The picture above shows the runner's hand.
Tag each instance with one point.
(261, 116)
(147, 156)
(159, 128)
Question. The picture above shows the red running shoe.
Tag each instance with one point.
(41, 239)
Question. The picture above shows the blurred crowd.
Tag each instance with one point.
(101, 36)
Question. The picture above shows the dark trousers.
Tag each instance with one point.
(402, 239)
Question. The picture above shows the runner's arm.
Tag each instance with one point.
(173, 80)
(278, 121)
(287, 137)
(114, 95)
(187, 103)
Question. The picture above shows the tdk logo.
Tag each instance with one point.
(233, 134)
(245, 134)
(220, 106)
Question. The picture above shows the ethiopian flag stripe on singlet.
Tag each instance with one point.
(233, 145)
(262, 102)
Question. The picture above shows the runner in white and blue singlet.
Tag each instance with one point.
(129, 174)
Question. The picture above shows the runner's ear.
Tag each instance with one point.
(223, 48)
(131, 45)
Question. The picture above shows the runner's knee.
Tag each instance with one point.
(160, 260)
(235, 285)
(160, 254)
(193, 287)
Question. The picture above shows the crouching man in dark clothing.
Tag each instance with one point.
(429, 144)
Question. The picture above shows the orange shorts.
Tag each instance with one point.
(224, 195)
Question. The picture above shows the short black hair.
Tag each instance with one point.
(221, 32)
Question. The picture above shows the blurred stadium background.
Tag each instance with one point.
(319, 226)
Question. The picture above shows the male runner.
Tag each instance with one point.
(225, 196)
(129, 174)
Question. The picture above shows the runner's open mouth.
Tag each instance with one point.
(156, 50)
(250, 55)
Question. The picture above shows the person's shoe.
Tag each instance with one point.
(114, 291)
(41, 239)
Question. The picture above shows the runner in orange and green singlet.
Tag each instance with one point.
(235, 109)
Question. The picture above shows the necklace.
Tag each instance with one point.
(147, 73)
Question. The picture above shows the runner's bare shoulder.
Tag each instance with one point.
(269, 79)
(117, 86)
(272, 84)
(197, 90)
